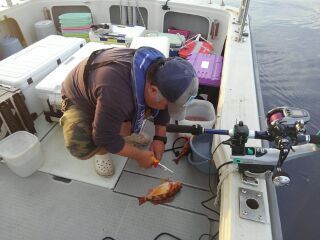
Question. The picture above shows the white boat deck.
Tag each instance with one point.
(42, 207)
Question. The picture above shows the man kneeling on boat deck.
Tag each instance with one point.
(108, 95)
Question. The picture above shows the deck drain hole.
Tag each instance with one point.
(252, 203)
(61, 179)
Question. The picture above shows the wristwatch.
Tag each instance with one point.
(160, 138)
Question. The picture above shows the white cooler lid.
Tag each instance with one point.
(160, 43)
(52, 82)
(36, 59)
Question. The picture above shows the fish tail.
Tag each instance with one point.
(142, 200)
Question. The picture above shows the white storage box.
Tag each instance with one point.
(160, 43)
(117, 34)
(27, 67)
(49, 89)
(22, 153)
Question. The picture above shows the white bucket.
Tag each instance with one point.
(199, 112)
(44, 28)
(22, 153)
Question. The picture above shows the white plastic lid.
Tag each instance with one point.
(160, 43)
(53, 81)
(39, 57)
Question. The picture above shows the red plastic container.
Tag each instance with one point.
(194, 45)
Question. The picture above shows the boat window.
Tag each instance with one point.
(59, 10)
(129, 15)
(193, 23)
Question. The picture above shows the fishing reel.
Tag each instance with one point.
(285, 125)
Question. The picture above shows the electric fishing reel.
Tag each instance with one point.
(285, 125)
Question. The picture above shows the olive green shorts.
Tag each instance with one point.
(77, 130)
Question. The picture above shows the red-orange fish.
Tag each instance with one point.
(185, 150)
(162, 193)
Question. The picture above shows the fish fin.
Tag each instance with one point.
(142, 200)
(162, 180)
(167, 200)
(176, 160)
(170, 199)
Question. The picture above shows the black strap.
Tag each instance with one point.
(89, 67)
(160, 138)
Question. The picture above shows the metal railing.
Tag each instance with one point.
(243, 13)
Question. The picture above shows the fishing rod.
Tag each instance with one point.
(286, 132)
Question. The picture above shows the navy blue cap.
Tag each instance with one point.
(178, 83)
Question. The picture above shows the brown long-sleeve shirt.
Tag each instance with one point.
(111, 100)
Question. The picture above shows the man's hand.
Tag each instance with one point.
(158, 148)
(144, 159)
